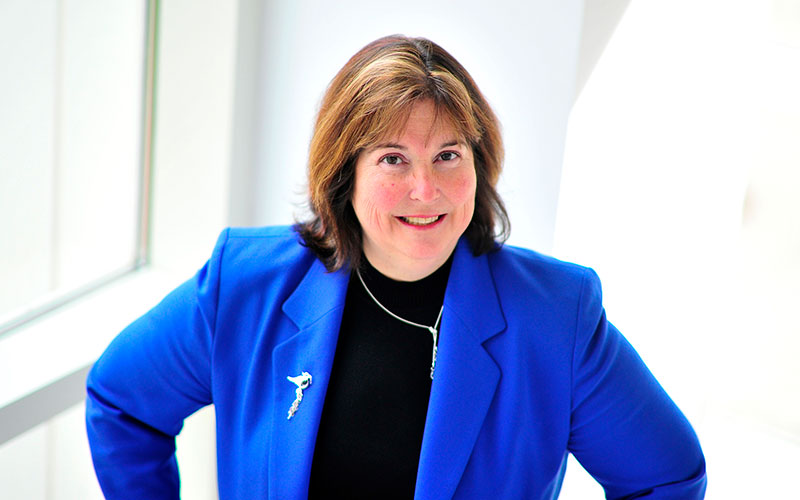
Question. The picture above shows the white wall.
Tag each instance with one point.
(195, 82)
(49, 462)
(680, 186)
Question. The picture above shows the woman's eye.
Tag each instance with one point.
(448, 156)
(392, 160)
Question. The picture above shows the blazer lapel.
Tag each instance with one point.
(466, 376)
(316, 308)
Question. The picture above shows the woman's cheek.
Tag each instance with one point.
(387, 195)
(464, 187)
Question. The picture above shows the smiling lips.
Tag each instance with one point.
(421, 221)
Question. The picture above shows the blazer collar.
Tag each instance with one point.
(466, 376)
(318, 293)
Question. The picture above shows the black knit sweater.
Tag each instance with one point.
(370, 433)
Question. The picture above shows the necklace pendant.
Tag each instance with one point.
(435, 335)
(433, 362)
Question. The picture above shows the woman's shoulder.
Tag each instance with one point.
(521, 274)
(261, 249)
(525, 264)
(261, 234)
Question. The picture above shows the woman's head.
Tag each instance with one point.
(369, 103)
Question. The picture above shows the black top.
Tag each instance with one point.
(370, 433)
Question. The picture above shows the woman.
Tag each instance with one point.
(390, 346)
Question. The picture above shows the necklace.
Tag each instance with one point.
(433, 329)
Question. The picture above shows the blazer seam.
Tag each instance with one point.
(578, 314)
(225, 236)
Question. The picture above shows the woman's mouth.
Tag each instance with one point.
(421, 221)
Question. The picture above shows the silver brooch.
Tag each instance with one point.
(302, 381)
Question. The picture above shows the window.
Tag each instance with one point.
(71, 148)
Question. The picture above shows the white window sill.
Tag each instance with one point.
(43, 364)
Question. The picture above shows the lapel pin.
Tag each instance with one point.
(302, 381)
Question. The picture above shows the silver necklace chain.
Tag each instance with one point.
(433, 329)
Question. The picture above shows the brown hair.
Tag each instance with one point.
(368, 100)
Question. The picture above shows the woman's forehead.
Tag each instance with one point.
(431, 123)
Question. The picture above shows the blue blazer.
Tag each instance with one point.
(528, 371)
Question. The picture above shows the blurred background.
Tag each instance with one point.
(657, 142)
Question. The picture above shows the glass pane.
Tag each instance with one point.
(70, 145)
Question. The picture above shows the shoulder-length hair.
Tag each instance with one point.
(369, 100)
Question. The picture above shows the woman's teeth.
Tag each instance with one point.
(420, 221)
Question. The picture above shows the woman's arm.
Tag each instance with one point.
(625, 430)
(151, 377)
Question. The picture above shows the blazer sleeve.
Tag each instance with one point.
(151, 377)
(625, 430)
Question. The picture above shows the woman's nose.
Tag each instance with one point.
(423, 184)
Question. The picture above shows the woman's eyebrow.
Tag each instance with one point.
(386, 145)
(391, 145)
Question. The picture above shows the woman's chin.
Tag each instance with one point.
(420, 261)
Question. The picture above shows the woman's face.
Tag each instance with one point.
(414, 196)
